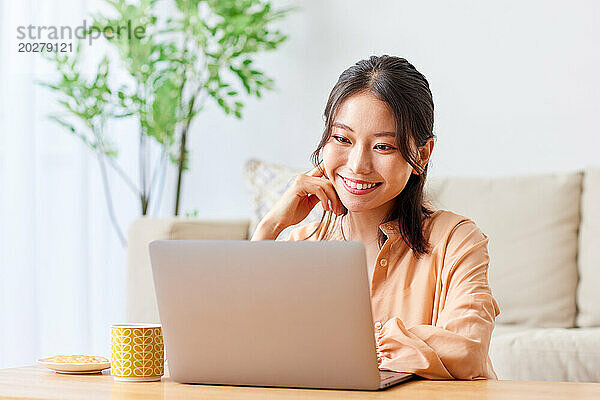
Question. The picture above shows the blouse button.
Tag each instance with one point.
(383, 262)
(378, 325)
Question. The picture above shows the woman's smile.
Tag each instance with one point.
(356, 186)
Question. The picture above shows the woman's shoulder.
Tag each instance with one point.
(444, 225)
(328, 229)
(302, 232)
(305, 231)
(460, 245)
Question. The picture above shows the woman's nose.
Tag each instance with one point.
(359, 161)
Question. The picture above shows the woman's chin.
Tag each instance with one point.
(353, 207)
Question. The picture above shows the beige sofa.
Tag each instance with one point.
(544, 248)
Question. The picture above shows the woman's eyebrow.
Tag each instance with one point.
(343, 126)
(378, 134)
(390, 134)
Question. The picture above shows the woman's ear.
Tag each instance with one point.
(423, 155)
(426, 151)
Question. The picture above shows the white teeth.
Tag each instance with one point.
(359, 186)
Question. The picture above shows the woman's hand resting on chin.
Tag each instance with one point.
(296, 203)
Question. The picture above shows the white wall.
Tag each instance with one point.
(515, 85)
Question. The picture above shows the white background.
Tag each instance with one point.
(516, 90)
(515, 85)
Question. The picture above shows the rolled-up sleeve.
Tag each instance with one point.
(456, 345)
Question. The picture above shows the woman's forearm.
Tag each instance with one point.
(266, 230)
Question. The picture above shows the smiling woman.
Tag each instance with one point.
(367, 168)
(433, 308)
(379, 127)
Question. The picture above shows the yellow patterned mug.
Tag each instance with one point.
(137, 352)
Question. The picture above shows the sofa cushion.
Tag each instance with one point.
(588, 291)
(546, 354)
(266, 182)
(532, 222)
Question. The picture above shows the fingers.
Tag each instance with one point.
(316, 182)
(320, 193)
(336, 203)
(312, 201)
(317, 171)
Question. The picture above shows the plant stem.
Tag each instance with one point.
(182, 149)
(157, 168)
(180, 164)
(142, 157)
(109, 204)
(186, 126)
(123, 175)
(161, 182)
(96, 129)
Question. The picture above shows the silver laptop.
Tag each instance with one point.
(268, 313)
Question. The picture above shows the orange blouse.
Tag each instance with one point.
(434, 316)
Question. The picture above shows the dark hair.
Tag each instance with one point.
(406, 91)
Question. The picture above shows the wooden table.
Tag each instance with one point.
(37, 382)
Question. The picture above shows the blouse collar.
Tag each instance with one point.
(390, 228)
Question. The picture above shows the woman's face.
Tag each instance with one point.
(362, 158)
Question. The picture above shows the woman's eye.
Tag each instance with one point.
(385, 147)
(341, 139)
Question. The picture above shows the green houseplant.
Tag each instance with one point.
(204, 50)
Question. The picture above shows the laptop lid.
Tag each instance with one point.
(266, 313)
